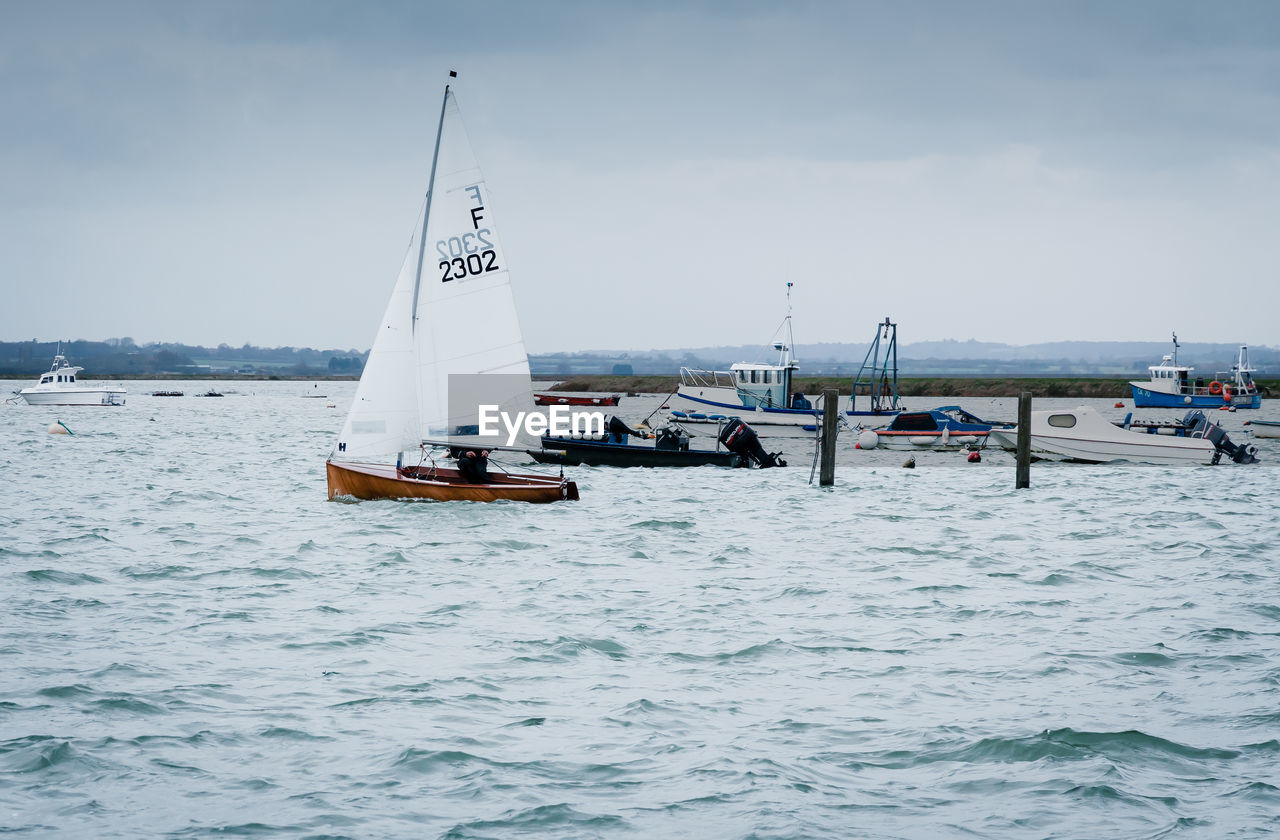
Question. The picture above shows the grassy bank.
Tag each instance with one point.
(934, 386)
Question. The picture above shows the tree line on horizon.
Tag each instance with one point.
(123, 357)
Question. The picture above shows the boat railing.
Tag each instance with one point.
(696, 378)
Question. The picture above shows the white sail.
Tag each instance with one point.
(451, 312)
(466, 313)
(384, 414)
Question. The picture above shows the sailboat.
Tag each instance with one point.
(451, 319)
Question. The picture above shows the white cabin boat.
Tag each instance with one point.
(759, 394)
(1082, 434)
(61, 386)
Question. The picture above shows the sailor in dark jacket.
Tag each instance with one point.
(618, 430)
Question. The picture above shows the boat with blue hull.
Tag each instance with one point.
(945, 428)
(1172, 385)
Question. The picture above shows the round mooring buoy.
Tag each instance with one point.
(868, 439)
(975, 457)
(58, 428)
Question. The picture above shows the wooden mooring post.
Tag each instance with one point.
(830, 416)
(1024, 441)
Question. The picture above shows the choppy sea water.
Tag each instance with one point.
(195, 643)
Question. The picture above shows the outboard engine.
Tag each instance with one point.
(741, 439)
(671, 439)
(1199, 426)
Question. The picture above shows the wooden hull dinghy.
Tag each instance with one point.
(451, 315)
(385, 481)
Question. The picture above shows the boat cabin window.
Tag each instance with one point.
(768, 377)
(1062, 421)
(45, 380)
(919, 422)
(755, 376)
(742, 376)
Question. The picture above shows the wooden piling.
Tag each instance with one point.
(830, 415)
(1024, 441)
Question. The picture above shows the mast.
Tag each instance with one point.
(426, 213)
(1175, 349)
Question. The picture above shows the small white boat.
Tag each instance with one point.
(1264, 428)
(60, 386)
(1082, 434)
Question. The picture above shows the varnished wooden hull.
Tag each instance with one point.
(378, 481)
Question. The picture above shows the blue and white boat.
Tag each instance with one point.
(759, 394)
(1174, 386)
(948, 427)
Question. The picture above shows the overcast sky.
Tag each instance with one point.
(213, 172)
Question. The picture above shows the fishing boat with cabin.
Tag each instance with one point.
(1172, 385)
(758, 393)
(451, 313)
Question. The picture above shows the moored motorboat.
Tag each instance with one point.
(1082, 434)
(558, 399)
(451, 317)
(946, 428)
(1172, 385)
(1264, 428)
(669, 447)
(62, 386)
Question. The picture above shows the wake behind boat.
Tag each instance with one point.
(60, 386)
(451, 314)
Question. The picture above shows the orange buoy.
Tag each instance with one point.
(1226, 393)
(975, 456)
(1119, 405)
(1215, 387)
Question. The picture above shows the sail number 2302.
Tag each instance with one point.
(466, 255)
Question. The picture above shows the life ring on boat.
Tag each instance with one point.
(1215, 387)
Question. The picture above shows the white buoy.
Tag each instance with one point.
(868, 439)
(56, 428)
(1187, 400)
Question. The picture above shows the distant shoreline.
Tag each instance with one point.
(924, 386)
(913, 386)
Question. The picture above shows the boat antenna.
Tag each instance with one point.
(791, 342)
(426, 211)
(1175, 348)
